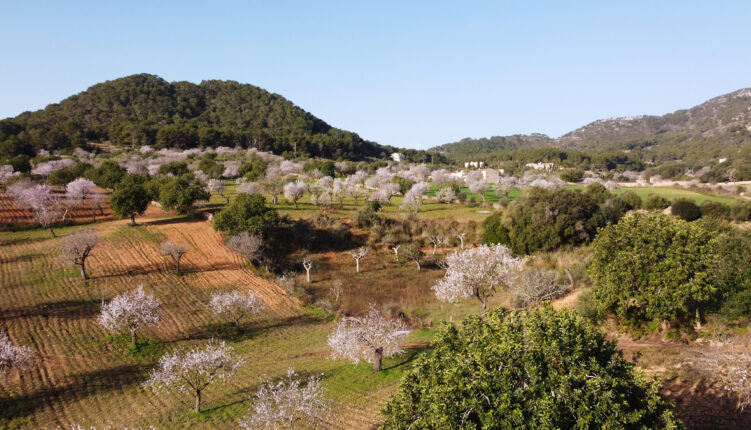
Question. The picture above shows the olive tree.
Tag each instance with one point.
(130, 311)
(130, 198)
(477, 272)
(194, 370)
(76, 248)
(526, 369)
(369, 338)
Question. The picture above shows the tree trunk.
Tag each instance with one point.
(462, 241)
(377, 359)
(434, 248)
(227, 198)
(177, 264)
(133, 337)
(341, 203)
(132, 219)
(698, 319)
(295, 202)
(53, 232)
(308, 274)
(357, 263)
(93, 214)
(237, 324)
(484, 301)
(83, 270)
(198, 401)
(418, 266)
(101, 211)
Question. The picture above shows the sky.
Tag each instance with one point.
(404, 73)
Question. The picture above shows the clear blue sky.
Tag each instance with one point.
(405, 73)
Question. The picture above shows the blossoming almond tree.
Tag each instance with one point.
(370, 338)
(12, 356)
(79, 189)
(235, 305)
(293, 191)
(477, 272)
(77, 247)
(175, 251)
(130, 311)
(216, 186)
(288, 404)
(194, 370)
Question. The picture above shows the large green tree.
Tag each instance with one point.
(246, 213)
(526, 370)
(181, 192)
(130, 198)
(649, 267)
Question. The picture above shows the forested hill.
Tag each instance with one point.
(147, 110)
(714, 129)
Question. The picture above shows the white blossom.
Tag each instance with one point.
(129, 311)
(293, 191)
(249, 188)
(477, 272)
(79, 189)
(193, 370)
(12, 356)
(288, 404)
(367, 338)
(75, 248)
(446, 195)
(235, 305)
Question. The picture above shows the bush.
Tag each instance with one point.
(598, 192)
(493, 231)
(685, 209)
(176, 168)
(740, 211)
(107, 175)
(246, 213)
(548, 219)
(653, 202)
(572, 175)
(537, 368)
(181, 192)
(712, 209)
(632, 199)
(734, 273)
(366, 217)
(650, 268)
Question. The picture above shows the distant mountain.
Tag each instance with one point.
(147, 110)
(717, 128)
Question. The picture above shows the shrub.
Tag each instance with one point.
(632, 199)
(181, 192)
(712, 209)
(740, 211)
(548, 219)
(572, 175)
(246, 213)
(598, 192)
(366, 217)
(537, 368)
(652, 268)
(685, 209)
(653, 202)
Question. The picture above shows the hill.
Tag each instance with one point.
(718, 128)
(147, 110)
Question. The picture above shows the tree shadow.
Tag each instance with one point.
(250, 328)
(168, 221)
(66, 309)
(702, 406)
(410, 353)
(82, 385)
(26, 258)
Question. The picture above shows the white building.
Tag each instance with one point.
(475, 164)
(398, 157)
(540, 166)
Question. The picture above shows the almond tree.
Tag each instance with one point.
(130, 311)
(307, 263)
(287, 404)
(358, 254)
(12, 356)
(293, 191)
(248, 245)
(235, 306)
(356, 190)
(97, 203)
(79, 189)
(413, 253)
(461, 237)
(193, 370)
(175, 251)
(446, 195)
(395, 248)
(249, 188)
(273, 184)
(216, 186)
(477, 272)
(436, 241)
(369, 338)
(476, 183)
(47, 216)
(77, 247)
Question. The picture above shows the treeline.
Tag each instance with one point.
(147, 110)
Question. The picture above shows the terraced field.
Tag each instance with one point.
(10, 213)
(88, 376)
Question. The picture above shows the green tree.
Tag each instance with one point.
(176, 168)
(525, 370)
(107, 175)
(181, 192)
(130, 198)
(253, 170)
(246, 213)
(631, 199)
(685, 209)
(650, 267)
